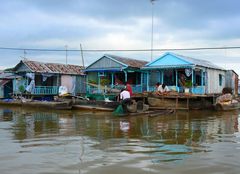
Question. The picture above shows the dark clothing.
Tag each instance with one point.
(124, 103)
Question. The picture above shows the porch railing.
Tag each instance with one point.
(138, 89)
(198, 90)
(45, 90)
(110, 88)
(194, 90)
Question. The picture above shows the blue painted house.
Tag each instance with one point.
(112, 71)
(203, 76)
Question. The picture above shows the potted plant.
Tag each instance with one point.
(188, 85)
(21, 89)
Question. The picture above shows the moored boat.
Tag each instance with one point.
(100, 105)
(227, 106)
(58, 105)
(226, 102)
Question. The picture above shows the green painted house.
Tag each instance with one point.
(112, 72)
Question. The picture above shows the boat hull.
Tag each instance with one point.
(95, 105)
(227, 107)
(58, 105)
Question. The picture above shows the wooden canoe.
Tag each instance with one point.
(58, 105)
(99, 105)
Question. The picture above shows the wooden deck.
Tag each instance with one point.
(180, 101)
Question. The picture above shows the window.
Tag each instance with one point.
(204, 78)
(101, 74)
(220, 79)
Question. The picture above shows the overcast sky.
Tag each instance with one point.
(119, 24)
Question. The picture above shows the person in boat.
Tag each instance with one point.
(226, 97)
(161, 89)
(182, 83)
(125, 99)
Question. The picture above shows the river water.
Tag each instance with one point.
(73, 142)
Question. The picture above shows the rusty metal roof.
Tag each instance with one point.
(128, 61)
(8, 75)
(41, 67)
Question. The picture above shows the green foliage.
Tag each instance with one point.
(105, 81)
(92, 81)
(188, 84)
(21, 88)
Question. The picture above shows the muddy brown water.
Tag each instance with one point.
(73, 142)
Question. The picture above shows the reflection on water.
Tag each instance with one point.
(85, 142)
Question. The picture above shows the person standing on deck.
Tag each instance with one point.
(182, 82)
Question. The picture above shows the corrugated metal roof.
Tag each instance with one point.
(8, 75)
(128, 61)
(186, 61)
(41, 67)
(4, 82)
(198, 62)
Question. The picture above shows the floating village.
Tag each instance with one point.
(97, 86)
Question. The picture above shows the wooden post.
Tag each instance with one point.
(163, 76)
(176, 107)
(99, 84)
(148, 81)
(126, 77)
(159, 76)
(112, 79)
(187, 102)
(192, 77)
(201, 77)
(177, 80)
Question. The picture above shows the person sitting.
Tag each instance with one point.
(125, 99)
(161, 89)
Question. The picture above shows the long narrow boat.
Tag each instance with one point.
(58, 105)
(99, 105)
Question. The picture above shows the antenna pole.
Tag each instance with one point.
(82, 55)
(152, 2)
(24, 53)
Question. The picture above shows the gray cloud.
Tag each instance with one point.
(111, 24)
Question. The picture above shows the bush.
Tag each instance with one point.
(21, 88)
(105, 82)
(92, 81)
(188, 84)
